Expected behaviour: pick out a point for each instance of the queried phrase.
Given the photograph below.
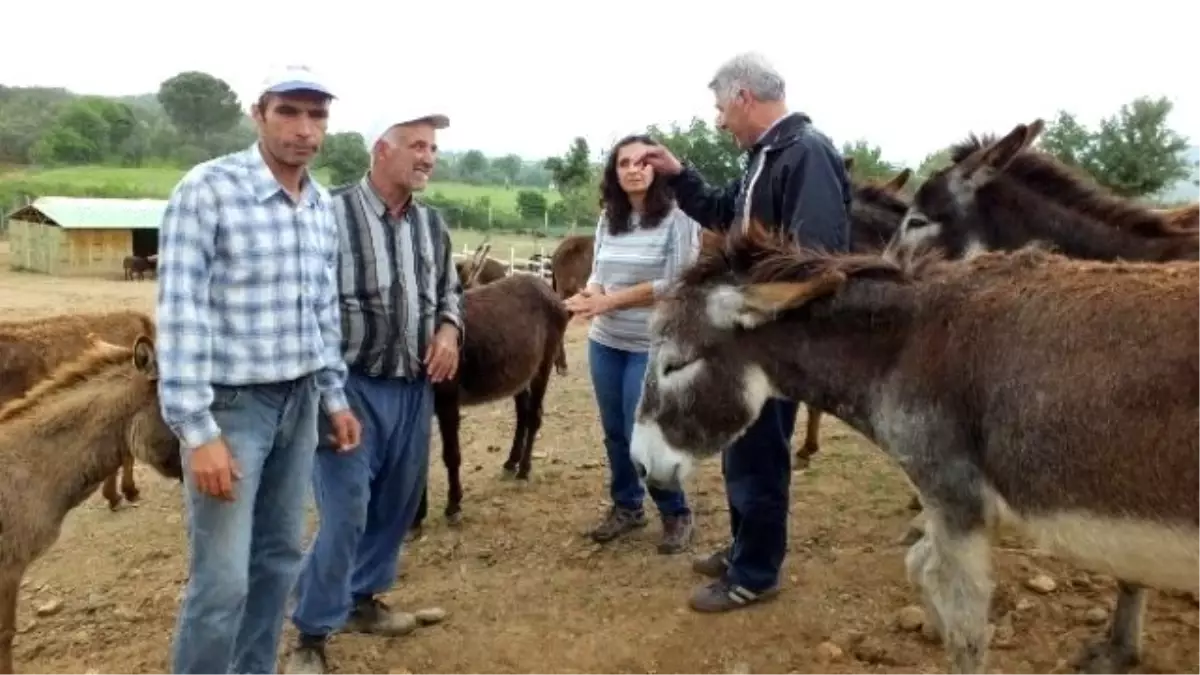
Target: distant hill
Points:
(1185, 190)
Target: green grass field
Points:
(158, 182)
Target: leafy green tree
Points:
(531, 204)
(714, 153)
(1134, 153)
(509, 168)
(199, 104)
(473, 166)
(868, 161)
(345, 155)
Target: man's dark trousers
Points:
(758, 475)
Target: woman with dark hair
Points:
(643, 240)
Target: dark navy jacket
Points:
(796, 180)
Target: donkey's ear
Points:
(143, 357)
(762, 302)
(998, 155)
(896, 182)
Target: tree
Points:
(1133, 153)
(345, 155)
(509, 167)
(199, 104)
(90, 129)
(473, 166)
(713, 153)
(573, 169)
(572, 174)
(868, 161)
(531, 204)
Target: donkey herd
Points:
(1022, 343)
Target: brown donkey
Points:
(67, 434)
(1002, 396)
(30, 349)
(513, 329)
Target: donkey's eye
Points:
(675, 365)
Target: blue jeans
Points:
(366, 499)
(758, 474)
(245, 553)
(617, 381)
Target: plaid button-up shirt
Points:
(247, 292)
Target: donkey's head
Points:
(150, 439)
(703, 385)
(469, 271)
(945, 212)
(876, 211)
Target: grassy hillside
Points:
(106, 181)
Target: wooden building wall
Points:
(41, 247)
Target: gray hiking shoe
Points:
(616, 523)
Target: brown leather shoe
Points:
(616, 523)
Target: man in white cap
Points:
(402, 311)
(248, 339)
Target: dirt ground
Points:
(527, 592)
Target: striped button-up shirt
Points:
(246, 290)
(397, 282)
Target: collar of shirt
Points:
(265, 185)
(376, 201)
(768, 129)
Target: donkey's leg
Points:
(449, 418)
(812, 442)
(1121, 649)
(521, 405)
(952, 563)
(109, 490)
(533, 418)
(10, 583)
(128, 487)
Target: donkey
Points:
(30, 349)
(1003, 397)
(513, 328)
(979, 204)
(60, 441)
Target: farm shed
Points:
(71, 236)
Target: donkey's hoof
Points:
(1102, 656)
(132, 496)
(915, 504)
(454, 519)
(508, 472)
(414, 533)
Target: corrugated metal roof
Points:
(96, 213)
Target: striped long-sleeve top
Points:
(397, 282)
(656, 255)
(246, 290)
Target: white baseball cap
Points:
(294, 78)
(381, 125)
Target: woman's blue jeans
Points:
(617, 381)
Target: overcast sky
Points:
(520, 76)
